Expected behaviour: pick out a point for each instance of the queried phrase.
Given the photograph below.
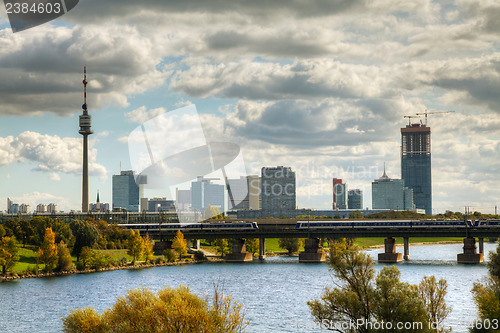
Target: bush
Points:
(199, 256)
(90, 259)
(168, 310)
(123, 261)
(33, 270)
(170, 255)
(159, 261)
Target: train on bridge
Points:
(315, 225)
(235, 226)
(307, 225)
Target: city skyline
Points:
(322, 89)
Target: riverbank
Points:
(27, 275)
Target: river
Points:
(274, 292)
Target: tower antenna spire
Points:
(84, 106)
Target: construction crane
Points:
(409, 119)
(426, 112)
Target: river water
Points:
(273, 293)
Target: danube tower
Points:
(85, 130)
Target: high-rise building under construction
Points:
(416, 164)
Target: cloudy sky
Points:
(321, 86)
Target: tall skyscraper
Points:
(9, 205)
(278, 190)
(85, 130)
(390, 193)
(416, 164)
(126, 191)
(339, 194)
(355, 199)
(245, 193)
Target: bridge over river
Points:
(313, 252)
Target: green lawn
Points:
(27, 257)
(374, 241)
(116, 254)
(271, 246)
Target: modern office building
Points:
(244, 193)
(254, 192)
(161, 205)
(391, 194)
(14, 208)
(416, 164)
(278, 190)
(339, 194)
(127, 191)
(355, 199)
(204, 194)
(183, 200)
(9, 205)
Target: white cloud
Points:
(54, 176)
(142, 114)
(50, 153)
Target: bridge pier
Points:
(239, 253)
(193, 244)
(313, 251)
(262, 248)
(470, 256)
(406, 254)
(390, 255)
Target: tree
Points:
(47, 252)
(135, 245)
(359, 298)
(212, 212)
(290, 244)
(222, 246)
(487, 295)
(252, 245)
(85, 234)
(65, 261)
(356, 215)
(397, 302)
(433, 293)
(148, 248)
(8, 253)
(169, 311)
(2, 231)
(179, 244)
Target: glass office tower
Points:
(416, 164)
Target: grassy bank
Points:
(28, 254)
(379, 241)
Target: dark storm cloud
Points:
(91, 10)
(330, 122)
(42, 71)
